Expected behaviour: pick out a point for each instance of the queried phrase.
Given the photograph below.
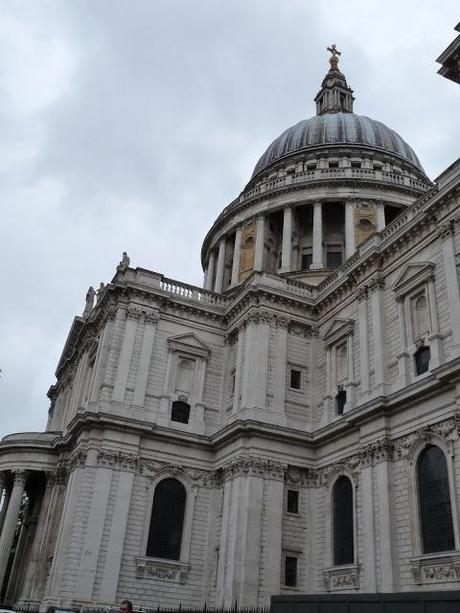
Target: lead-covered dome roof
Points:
(337, 129)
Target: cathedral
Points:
(291, 427)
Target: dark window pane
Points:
(435, 510)
(180, 411)
(295, 379)
(333, 259)
(290, 571)
(292, 501)
(340, 401)
(165, 534)
(306, 260)
(422, 360)
(343, 522)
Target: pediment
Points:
(412, 276)
(338, 329)
(190, 342)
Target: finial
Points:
(334, 96)
(334, 59)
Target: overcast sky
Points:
(128, 125)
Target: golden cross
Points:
(335, 52)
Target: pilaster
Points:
(126, 352)
(145, 359)
(260, 244)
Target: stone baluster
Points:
(286, 254)
(350, 243)
(317, 260)
(218, 287)
(11, 519)
(236, 257)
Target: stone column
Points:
(3, 492)
(369, 561)
(11, 518)
(126, 353)
(363, 340)
(403, 354)
(383, 521)
(260, 244)
(279, 371)
(236, 257)
(286, 254)
(219, 285)
(350, 244)
(317, 259)
(145, 359)
(378, 329)
(210, 271)
(380, 216)
(446, 234)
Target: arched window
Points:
(343, 522)
(167, 520)
(180, 411)
(434, 498)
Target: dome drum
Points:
(323, 187)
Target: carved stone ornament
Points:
(162, 570)
(436, 569)
(342, 578)
(446, 229)
(76, 460)
(251, 465)
(118, 460)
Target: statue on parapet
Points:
(89, 301)
(99, 291)
(125, 262)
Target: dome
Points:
(337, 129)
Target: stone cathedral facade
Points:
(292, 426)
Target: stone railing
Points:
(324, 174)
(300, 289)
(191, 292)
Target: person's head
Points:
(126, 606)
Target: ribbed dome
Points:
(337, 129)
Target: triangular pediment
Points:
(338, 329)
(189, 342)
(413, 275)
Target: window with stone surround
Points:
(295, 379)
(340, 367)
(292, 502)
(436, 524)
(420, 340)
(290, 571)
(167, 520)
(343, 514)
(180, 411)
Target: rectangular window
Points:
(292, 502)
(290, 571)
(356, 164)
(296, 379)
(333, 164)
(333, 259)
(422, 360)
(307, 259)
(311, 166)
